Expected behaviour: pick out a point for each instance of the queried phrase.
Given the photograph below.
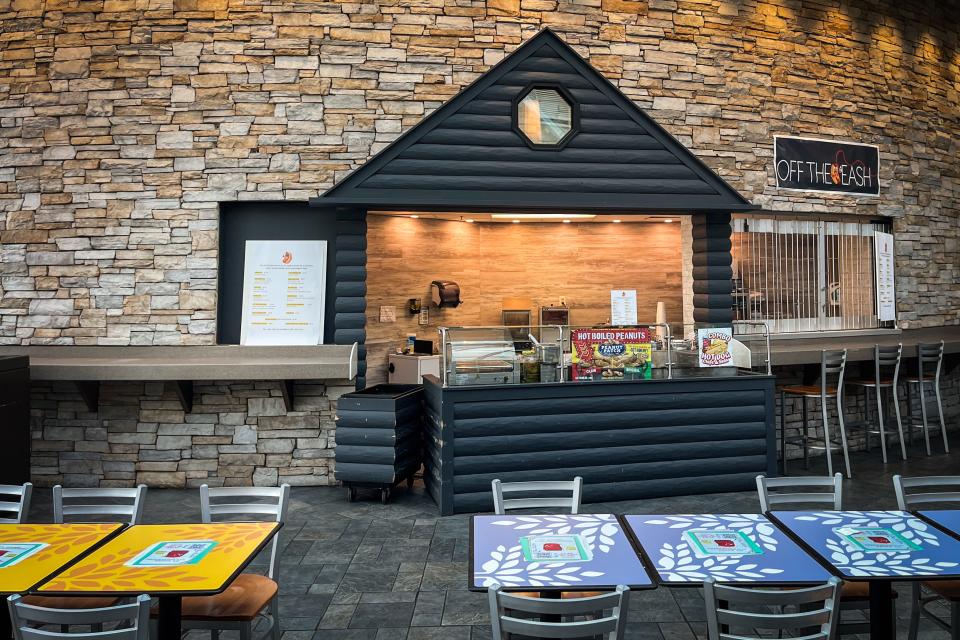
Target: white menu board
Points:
(886, 297)
(623, 307)
(283, 292)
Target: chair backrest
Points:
(243, 504)
(805, 490)
(749, 613)
(98, 505)
(572, 502)
(133, 619)
(932, 490)
(15, 502)
(608, 615)
(930, 354)
(886, 357)
(832, 363)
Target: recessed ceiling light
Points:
(617, 221)
(469, 220)
(414, 217)
(566, 222)
(669, 220)
(541, 216)
(516, 222)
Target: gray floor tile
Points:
(394, 614)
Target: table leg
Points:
(882, 623)
(168, 618)
(551, 595)
(6, 628)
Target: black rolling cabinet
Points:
(379, 437)
(15, 418)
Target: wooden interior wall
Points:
(536, 262)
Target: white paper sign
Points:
(284, 282)
(623, 307)
(886, 296)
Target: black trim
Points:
(162, 593)
(574, 116)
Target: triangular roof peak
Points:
(468, 155)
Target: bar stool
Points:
(832, 363)
(883, 359)
(927, 355)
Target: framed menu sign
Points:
(886, 298)
(832, 166)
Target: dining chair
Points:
(825, 493)
(250, 596)
(884, 381)
(929, 367)
(15, 502)
(808, 490)
(735, 612)
(573, 487)
(514, 614)
(91, 505)
(123, 622)
(936, 492)
(105, 505)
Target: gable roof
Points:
(467, 156)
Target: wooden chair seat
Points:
(858, 591)
(70, 602)
(870, 382)
(916, 378)
(808, 390)
(242, 601)
(948, 589)
(565, 595)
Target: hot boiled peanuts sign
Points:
(808, 164)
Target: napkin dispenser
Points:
(445, 293)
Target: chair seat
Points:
(858, 591)
(916, 379)
(242, 601)
(870, 382)
(70, 602)
(808, 390)
(565, 595)
(949, 589)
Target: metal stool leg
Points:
(943, 425)
(866, 417)
(783, 433)
(910, 413)
(843, 432)
(826, 435)
(883, 435)
(896, 410)
(806, 450)
(923, 413)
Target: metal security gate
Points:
(801, 275)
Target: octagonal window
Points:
(544, 116)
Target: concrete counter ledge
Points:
(90, 365)
(791, 351)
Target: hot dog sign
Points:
(714, 347)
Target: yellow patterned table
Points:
(168, 561)
(31, 553)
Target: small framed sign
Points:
(173, 554)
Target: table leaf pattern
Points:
(506, 565)
(852, 561)
(105, 570)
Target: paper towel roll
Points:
(661, 319)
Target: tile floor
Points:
(365, 571)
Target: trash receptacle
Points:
(379, 438)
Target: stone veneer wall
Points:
(124, 123)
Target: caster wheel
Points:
(384, 496)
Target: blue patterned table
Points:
(670, 547)
(918, 551)
(946, 519)
(498, 554)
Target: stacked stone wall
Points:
(125, 123)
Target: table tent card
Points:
(13, 552)
(173, 554)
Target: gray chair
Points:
(15, 502)
(104, 505)
(832, 367)
(808, 490)
(734, 612)
(573, 487)
(512, 614)
(825, 493)
(250, 596)
(935, 492)
(885, 379)
(929, 366)
(125, 621)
